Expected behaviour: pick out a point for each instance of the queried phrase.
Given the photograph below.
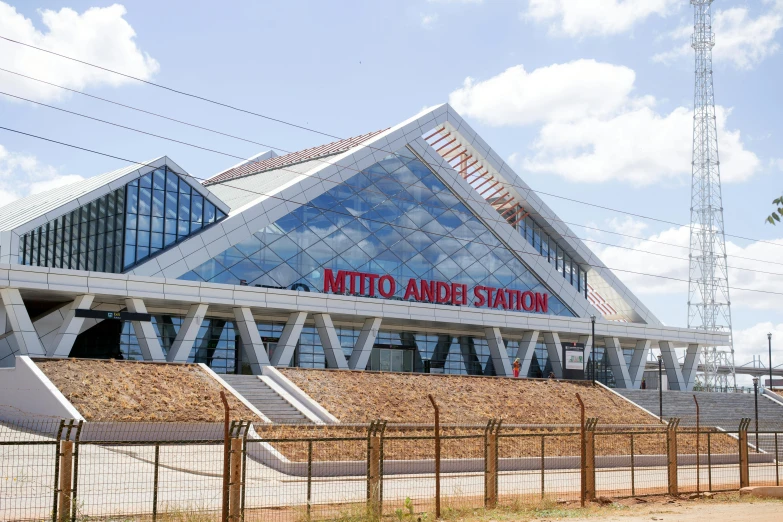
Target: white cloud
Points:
(595, 128)
(748, 280)
(753, 341)
(740, 39)
(22, 175)
(639, 146)
(559, 92)
(595, 17)
(428, 20)
(98, 35)
(455, 1)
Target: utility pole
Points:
(708, 282)
(769, 340)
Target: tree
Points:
(778, 213)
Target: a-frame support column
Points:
(251, 339)
(554, 349)
(186, 336)
(690, 366)
(284, 351)
(70, 327)
(149, 344)
(333, 350)
(23, 339)
(614, 352)
(638, 361)
(498, 352)
(360, 355)
(527, 348)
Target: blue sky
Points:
(587, 99)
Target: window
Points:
(122, 228)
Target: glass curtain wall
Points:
(394, 218)
(123, 228)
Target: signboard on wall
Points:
(573, 361)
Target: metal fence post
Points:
(57, 454)
(698, 453)
(582, 452)
(66, 474)
(374, 478)
(309, 477)
(777, 461)
(75, 483)
(155, 484)
(590, 488)
(543, 465)
(709, 460)
(226, 457)
(437, 456)
(744, 469)
(491, 464)
(671, 455)
(235, 480)
(633, 471)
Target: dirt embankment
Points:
(131, 391)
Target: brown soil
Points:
(402, 398)
(130, 391)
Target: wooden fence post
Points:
(374, 469)
(66, 474)
(744, 468)
(491, 464)
(671, 455)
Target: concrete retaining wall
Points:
(26, 392)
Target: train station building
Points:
(411, 249)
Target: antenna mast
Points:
(709, 306)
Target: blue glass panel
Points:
(172, 181)
(171, 205)
(159, 179)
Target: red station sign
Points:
(422, 290)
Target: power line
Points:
(302, 127)
(350, 168)
(343, 213)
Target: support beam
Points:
(145, 332)
(360, 355)
(690, 365)
(498, 352)
(335, 357)
(554, 349)
(527, 348)
(70, 327)
(284, 351)
(639, 359)
(672, 366)
(586, 340)
(614, 352)
(251, 339)
(24, 339)
(188, 331)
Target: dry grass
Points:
(131, 391)
(402, 398)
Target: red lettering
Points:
(456, 298)
(427, 291)
(542, 302)
(480, 300)
(352, 281)
(465, 294)
(392, 286)
(412, 290)
(443, 291)
(334, 283)
(500, 300)
(373, 278)
(490, 293)
(528, 296)
(512, 299)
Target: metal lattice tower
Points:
(708, 287)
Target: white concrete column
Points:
(188, 331)
(145, 332)
(638, 361)
(690, 365)
(70, 327)
(672, 366)
(335, 357)
(363, 347)
(498, 352)
(554, 349)
(284, 351)
(586, 340)
(614, 352)
(251, 339)
(23, 339)
(527, 348)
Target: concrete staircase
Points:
(723, 410)
(260, 395)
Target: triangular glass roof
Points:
(396, 217)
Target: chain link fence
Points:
(67, 470)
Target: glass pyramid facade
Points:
(395, 217)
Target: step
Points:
(265, 399)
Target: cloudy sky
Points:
(587, 99)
